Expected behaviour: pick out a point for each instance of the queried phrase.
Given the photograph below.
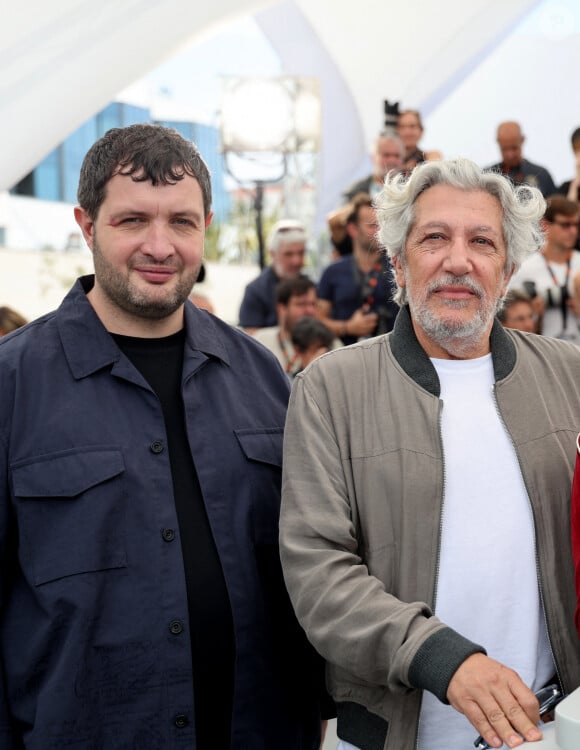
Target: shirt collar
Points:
(89, 347)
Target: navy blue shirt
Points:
(94, 626)
(258, 308)
(340, 284)
(528, 173)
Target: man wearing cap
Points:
(287, 246)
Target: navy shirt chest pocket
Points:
(70, 508)
(262, 449)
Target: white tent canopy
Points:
(459, 63)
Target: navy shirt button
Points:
(157, 446)
(168, 535)
(181, 721)
(176, 627)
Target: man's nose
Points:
(157, 242)
(457, 260)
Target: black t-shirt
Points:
(160, 361)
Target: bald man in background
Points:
(510, 140)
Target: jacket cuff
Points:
(438, 659)
(327, 707)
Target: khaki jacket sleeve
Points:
(347, 614)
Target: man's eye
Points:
(483, 241)
(183, 222)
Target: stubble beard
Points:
(368, 244)
(454, 335)
(119, 289)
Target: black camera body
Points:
(391, 114)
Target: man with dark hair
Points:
(355, 292)
(287, 247)
(510, 140)
(141, 596)
(551, 277)
(295, 299)
(425, 524)
(517, 311)
(311, 339)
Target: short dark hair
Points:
(308, 331)
(295, 286)
(10, 320)
(143, 152)
(359, 200)
(575, 139)
(558, 204)
(513, 297)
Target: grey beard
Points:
(456, 337)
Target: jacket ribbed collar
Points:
(413, 359)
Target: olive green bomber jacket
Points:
(361, 513)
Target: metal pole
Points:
(258, 206)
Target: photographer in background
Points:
(387, 156)
(410, 131)
(355, 292)
(551, 277)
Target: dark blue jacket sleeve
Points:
(251, 310)
(7, 741)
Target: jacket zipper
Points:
(538, 568)
(438, 558)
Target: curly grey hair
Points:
(522, 206)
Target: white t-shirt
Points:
(535, 269)
(487, 586)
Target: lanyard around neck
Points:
(564, 296)
(553, 275)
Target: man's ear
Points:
(399, 273)
(86, 224)
(281, 313)
(352, 230)
(208, 219)
(506, 279)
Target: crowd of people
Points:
(194, 554)
(355, 291)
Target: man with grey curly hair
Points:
(423, 499)
(516, 212)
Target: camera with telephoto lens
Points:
(391, 114)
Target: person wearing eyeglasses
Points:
(552, 276)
